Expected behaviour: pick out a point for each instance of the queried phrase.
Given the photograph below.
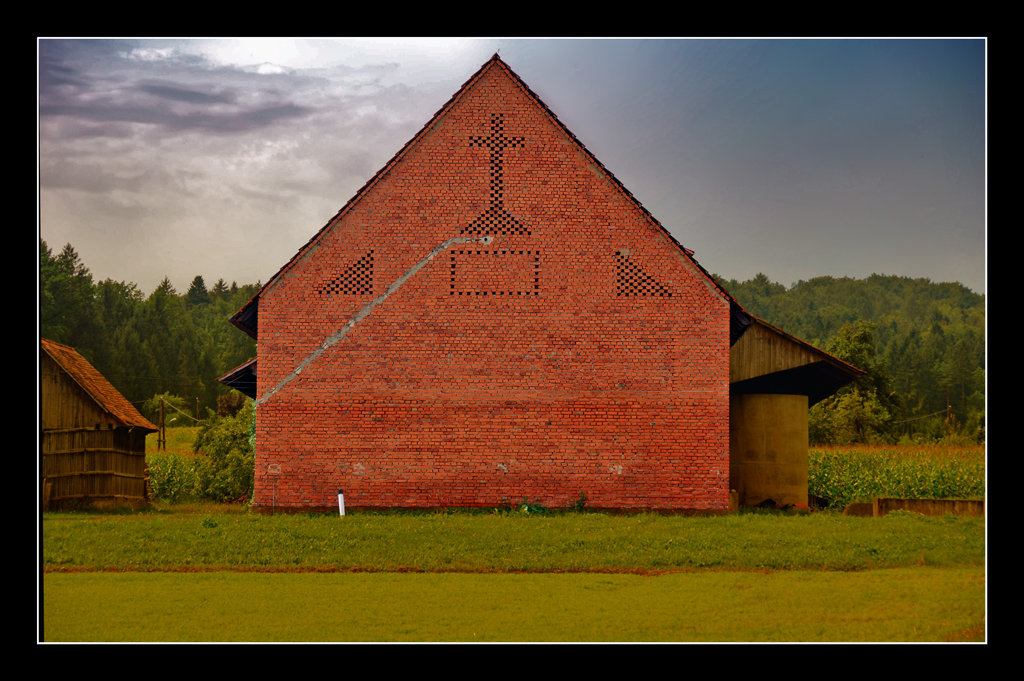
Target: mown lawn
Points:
(224, 574)
(510, 541)
(902, 604)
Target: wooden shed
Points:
(93, 441)
(774, 378)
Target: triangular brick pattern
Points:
(456, 334)
(634, 281)
(357, 278)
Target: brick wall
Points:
(563, 345)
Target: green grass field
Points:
(209, 573)
(204, 572)
(901, 604)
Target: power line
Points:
(180, 411)
(917, 418)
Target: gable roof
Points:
(95, 385)
(247, 318)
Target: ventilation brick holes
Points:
(633, 281)
(355, 280)
(496, 220)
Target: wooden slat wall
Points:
(94, 465)
(63, 403)
(759, 352)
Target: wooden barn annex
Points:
(494, 318)
(93, 441)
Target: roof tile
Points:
(95, 385)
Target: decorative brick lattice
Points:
(495, 273)
(496, 220)
(355, 280)
(633, 281)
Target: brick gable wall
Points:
(541, 337)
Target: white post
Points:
(341, 502)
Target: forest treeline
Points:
(165, 342)
(922, 343)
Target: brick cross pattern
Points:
(356, 279)
(496, 219)
(633, 281)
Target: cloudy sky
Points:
(795, 158)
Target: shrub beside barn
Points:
(493, 317)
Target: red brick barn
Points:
(493, 317)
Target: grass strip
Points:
(480, 542)
(904, 604)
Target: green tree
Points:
(864, 410)
(177, 411)
(67, 311)
(116, 349)
(145, 345)
(220, 290)
(228, 465)
(197, 293)
(931, 337)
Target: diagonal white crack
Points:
(368, 308)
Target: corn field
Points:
(860, 473)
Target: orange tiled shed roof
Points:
(95, 385)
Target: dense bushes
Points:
(229, 461)
(221, 469)
(173, 476)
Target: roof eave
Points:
(242, 378)
(846, 367)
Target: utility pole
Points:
(161, 440)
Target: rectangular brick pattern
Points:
(518, 363)
(494, 272)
